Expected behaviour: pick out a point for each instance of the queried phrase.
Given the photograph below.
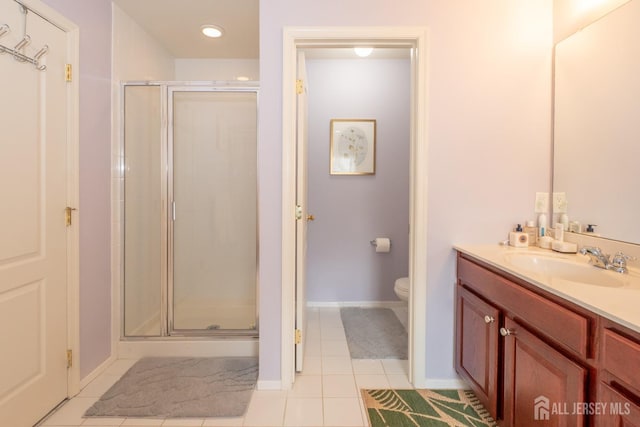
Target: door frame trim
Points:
(73, 182)
(415, 37)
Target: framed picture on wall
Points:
(353, 147)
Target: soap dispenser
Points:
(591, 231)
(518, 238)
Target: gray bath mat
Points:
(374, 333)
(181, 387)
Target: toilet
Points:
(401, 288)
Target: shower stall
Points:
(189, 210)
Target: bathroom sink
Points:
(564, 268)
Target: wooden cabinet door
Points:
(477, 342)
(615, 409)
(542, 387)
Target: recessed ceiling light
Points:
(211, 31)
(363, 51)
(242, 78)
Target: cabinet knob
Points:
(489, 319)
(506, 332)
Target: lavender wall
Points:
(94, 20)
(352, 210)
(489, 102)
(489, 115)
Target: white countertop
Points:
(619, 304)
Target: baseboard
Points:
(269, 385)
(366, 304)
(441, 384)
(100, 369)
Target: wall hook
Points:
(4, 29)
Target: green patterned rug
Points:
(427, 408)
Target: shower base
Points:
(181, 347)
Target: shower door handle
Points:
(173, 210)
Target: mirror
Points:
(597, 124)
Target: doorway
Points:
(294, 186)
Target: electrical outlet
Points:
(542, 203)
(560, 202)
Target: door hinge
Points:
(67, 72)
(69, 358)
(298, 212)
(299, 86)
(67, 215)
(298, 336)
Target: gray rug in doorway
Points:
(181, 387)
(374, 333)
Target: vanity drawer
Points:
(566, 327)
(621, 357)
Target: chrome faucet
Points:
(598, 259)
(619, 262)
(596, 256)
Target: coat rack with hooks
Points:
(16, 51)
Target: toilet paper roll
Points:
(383, 244)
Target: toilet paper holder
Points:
(382, 244)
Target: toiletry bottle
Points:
(532, 231)
(559, 232)
(564, 219)
(542, 224)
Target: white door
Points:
(33, 249)
(303, 214)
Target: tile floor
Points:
(326, 393)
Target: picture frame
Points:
(352, 147)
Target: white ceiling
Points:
(176, 25)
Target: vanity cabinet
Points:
(535, 373)
(477, 342)
(619, 385)
(516, 346)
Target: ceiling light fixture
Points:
(363, 51)
(212, 31)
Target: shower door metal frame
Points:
(167, 88)
(170, 206)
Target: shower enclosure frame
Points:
(167, 331)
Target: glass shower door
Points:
(144, 234)
(213, 244)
